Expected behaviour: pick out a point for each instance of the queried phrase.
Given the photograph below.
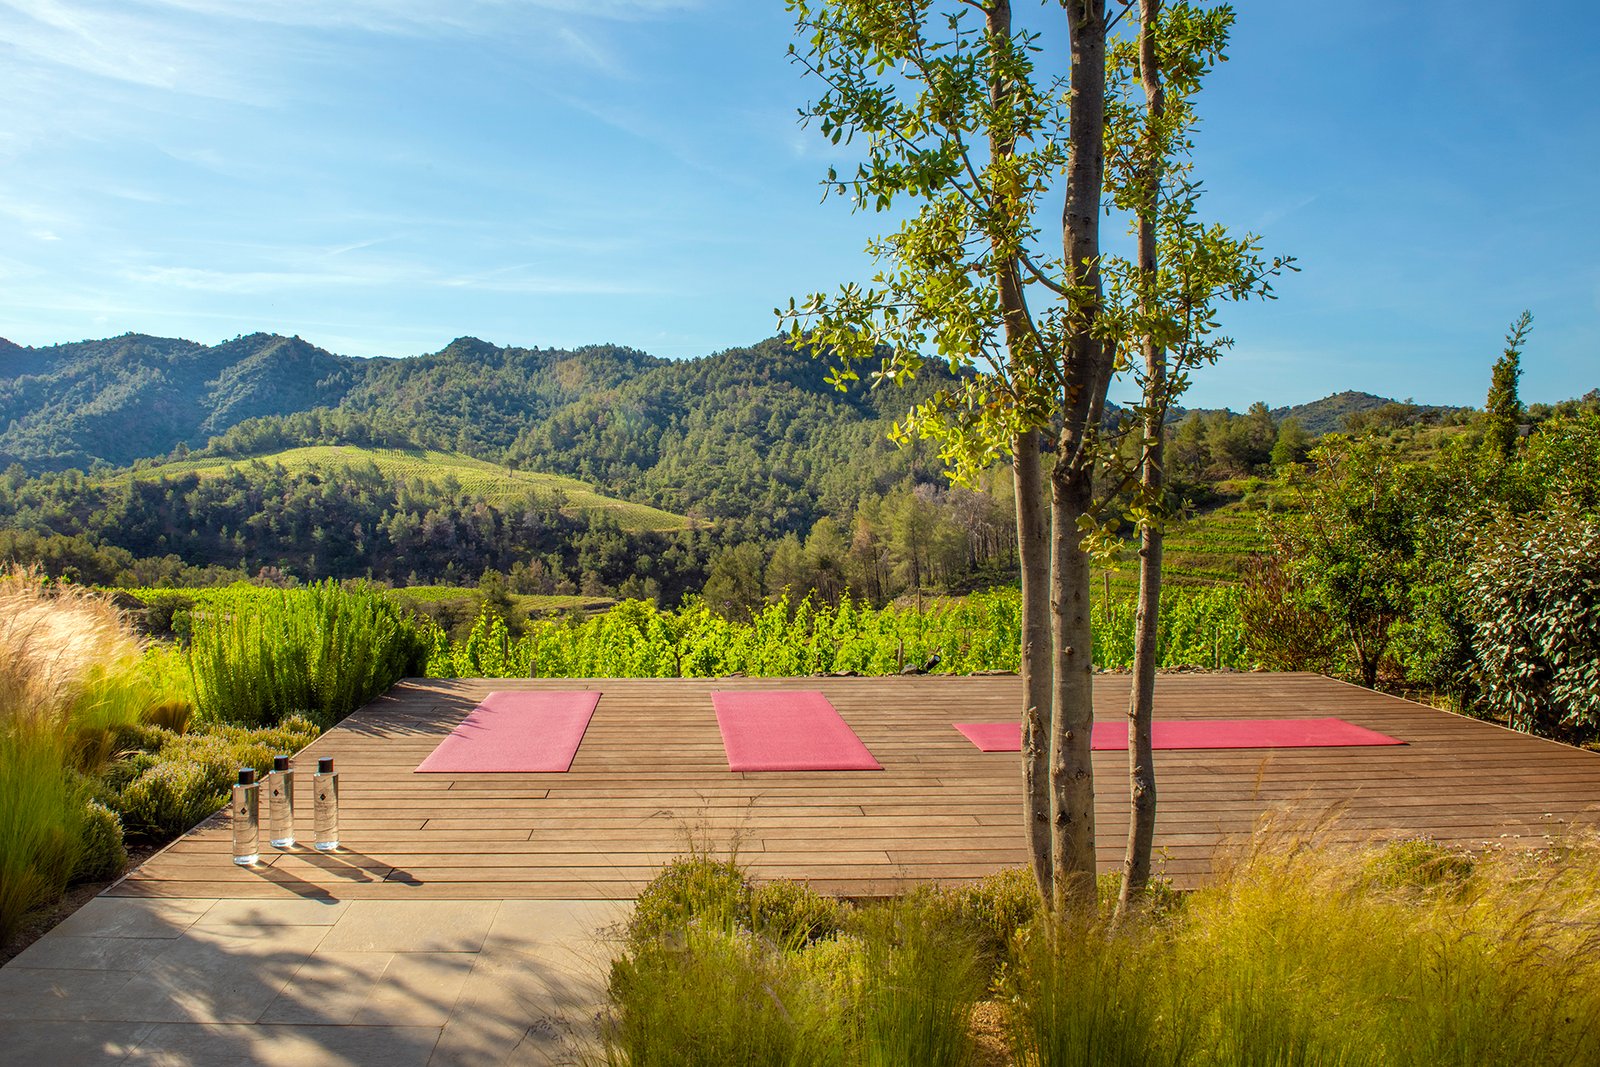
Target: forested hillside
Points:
(600, 470)
(129, 397)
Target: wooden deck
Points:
(651, 775)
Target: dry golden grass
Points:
(54, 643)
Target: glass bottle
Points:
(246, 818)
(325, 789)
(280, 803)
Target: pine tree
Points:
(1503, 409)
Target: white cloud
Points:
(118, 43)
(377, 274)
(414, 16)
(201, 47)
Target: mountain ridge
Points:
(137, 396)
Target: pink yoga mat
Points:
(517, 731)
(787, 731)
(1198, 733)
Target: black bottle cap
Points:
(324, 764)
(280, 763)
(247, 776)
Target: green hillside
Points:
(478, 478)
(1206, 549)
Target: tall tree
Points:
(1147, 181)
(1503, 408)
(1183, 268)
(956, 118)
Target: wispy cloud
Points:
(521, 279)
(417, 16)
(194, 46)
(388, 275)
(120, 43)
(1279, 212)
(646, 129)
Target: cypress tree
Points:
(1503, 409)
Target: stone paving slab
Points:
(413, 926)
(128, 917)
(312, 982)
(74, 1044)
(248, 913)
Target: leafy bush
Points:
(166, 791)
(1354, 544)
(324, 651)
(103, 854)
(698, 985)
(718, 996)
(1533, 595)
(691, 889)
(987, 913)
(171, 797)
(168, 613)
(982, 632)
(793, 914)
(1284, 629)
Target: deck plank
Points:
(650, 780)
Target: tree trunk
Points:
(1146, 638)
(1071, 761)
(1086, 373)
(1034, 560)
(1032, 547)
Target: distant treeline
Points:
(790, 484)
(783, 498)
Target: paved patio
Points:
(311, 982)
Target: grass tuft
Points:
(69, 683)
(1301, 951)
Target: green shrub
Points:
(1420, 865)
(793, 914)
(718, 997)
(987, 913)
(321, 651)
(103, 854)
(1285, 630)
(714, 893)
(167, 612)
(173, 796)
(117, 776)
(164, 792)
(41, 818)
(836, 967)
(922, 980)
(1532, 593)
(142, 737)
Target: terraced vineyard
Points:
(1210, 549)
(488, 481)
(1207, 550)
(471, 598)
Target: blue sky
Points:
(381, 176)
